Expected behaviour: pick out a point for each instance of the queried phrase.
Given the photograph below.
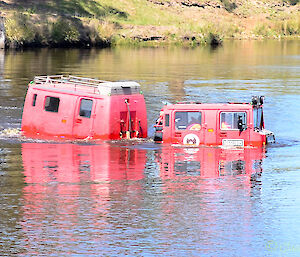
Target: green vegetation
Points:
(281, 28)
(64, 31)
(146, 22)
(19, 29)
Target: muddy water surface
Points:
(143, 199)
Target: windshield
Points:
(258, 119)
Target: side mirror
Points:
(261, 100)
(241, 125)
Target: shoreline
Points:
(142, 44)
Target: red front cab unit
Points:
(69, 107)
(227, 125)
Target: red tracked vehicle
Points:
(220, 124)
(69, 107)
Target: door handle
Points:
(78, 121)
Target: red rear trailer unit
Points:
(69, 107)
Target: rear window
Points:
(86, 108)
(51, 104)
(188, 120)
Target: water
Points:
(143, 199)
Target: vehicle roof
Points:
(208, 106)
(79, 85)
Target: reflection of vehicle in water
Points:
(208, 162)
(76, 108)
(75, 163)
(231, 124)
(73, 191)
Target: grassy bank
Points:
(146, 22)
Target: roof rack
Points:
(97, 86)
(56, 79)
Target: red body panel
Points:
(108, 118)
(210, 130)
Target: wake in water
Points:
(10, 133)
(15, 133)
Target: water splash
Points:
(10, 133)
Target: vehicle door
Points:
(188, 128)
(232, 128)
(84, 118)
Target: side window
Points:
(51, 104)
(188, 120)
(230, 120)
(86, 106)
(34, 99)
(167, 120)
